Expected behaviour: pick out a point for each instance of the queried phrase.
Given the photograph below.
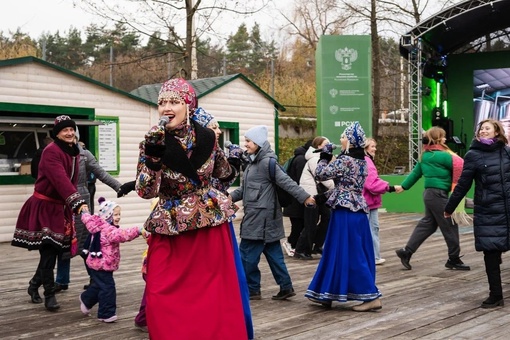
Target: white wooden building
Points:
(111, 123)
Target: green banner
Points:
(344, 87)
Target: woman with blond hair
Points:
(441, 169)
(487, 164)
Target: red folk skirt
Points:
(192, 287)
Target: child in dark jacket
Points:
(104, 258)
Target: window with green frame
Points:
(230, 132)
(23, 128)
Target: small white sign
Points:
(107, 145)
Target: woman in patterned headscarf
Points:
(347, 267)
(191, 273)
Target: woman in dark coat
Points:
(487, 163)
(45, 221)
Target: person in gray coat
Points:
(262, 223)
(88, 164)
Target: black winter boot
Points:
(33, 288)
(405, 257)
(456, 263)
(50, 301)
(492, 269)
(493, 301)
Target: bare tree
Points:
(313, 18)
(388, 17)
(369, 14)
(181, 23)
(399, 16)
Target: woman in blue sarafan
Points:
(347, 268)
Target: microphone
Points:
(327, 148)
(156, 136)
(228, 144)
(163, 120)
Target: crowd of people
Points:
(192, 246)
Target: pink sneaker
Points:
(83, 308)
(110, 319)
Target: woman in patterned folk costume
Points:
(191, 273)
(347, 267)
(45, 221)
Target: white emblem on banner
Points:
(346, 56)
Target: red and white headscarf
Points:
(180, 89)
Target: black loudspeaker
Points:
(429, 70)
(446, 124)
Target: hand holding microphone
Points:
(236, 155)
(156, 134)
(328, 148)
(234, 150)
(155, 138)
(326, 152)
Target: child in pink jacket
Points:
(104, 258)
(372, 190)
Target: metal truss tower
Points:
(415, 104)
(422, 43)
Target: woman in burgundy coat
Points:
(45, 221)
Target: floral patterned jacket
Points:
(349, 175)
(111, 237)
(182, 180)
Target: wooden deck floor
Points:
(428, 302)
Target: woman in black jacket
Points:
(487, 163)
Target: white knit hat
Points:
(257, 134)
(106, 209)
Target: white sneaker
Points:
(288, 248)
(83, 308)
(110, 319)
(379, 261)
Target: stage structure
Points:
(467, 27)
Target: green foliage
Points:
(392, 151)
(299, 123)
(65, 51)
(210, 59)
(238, 47)
(287, 147)
(248, 53)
